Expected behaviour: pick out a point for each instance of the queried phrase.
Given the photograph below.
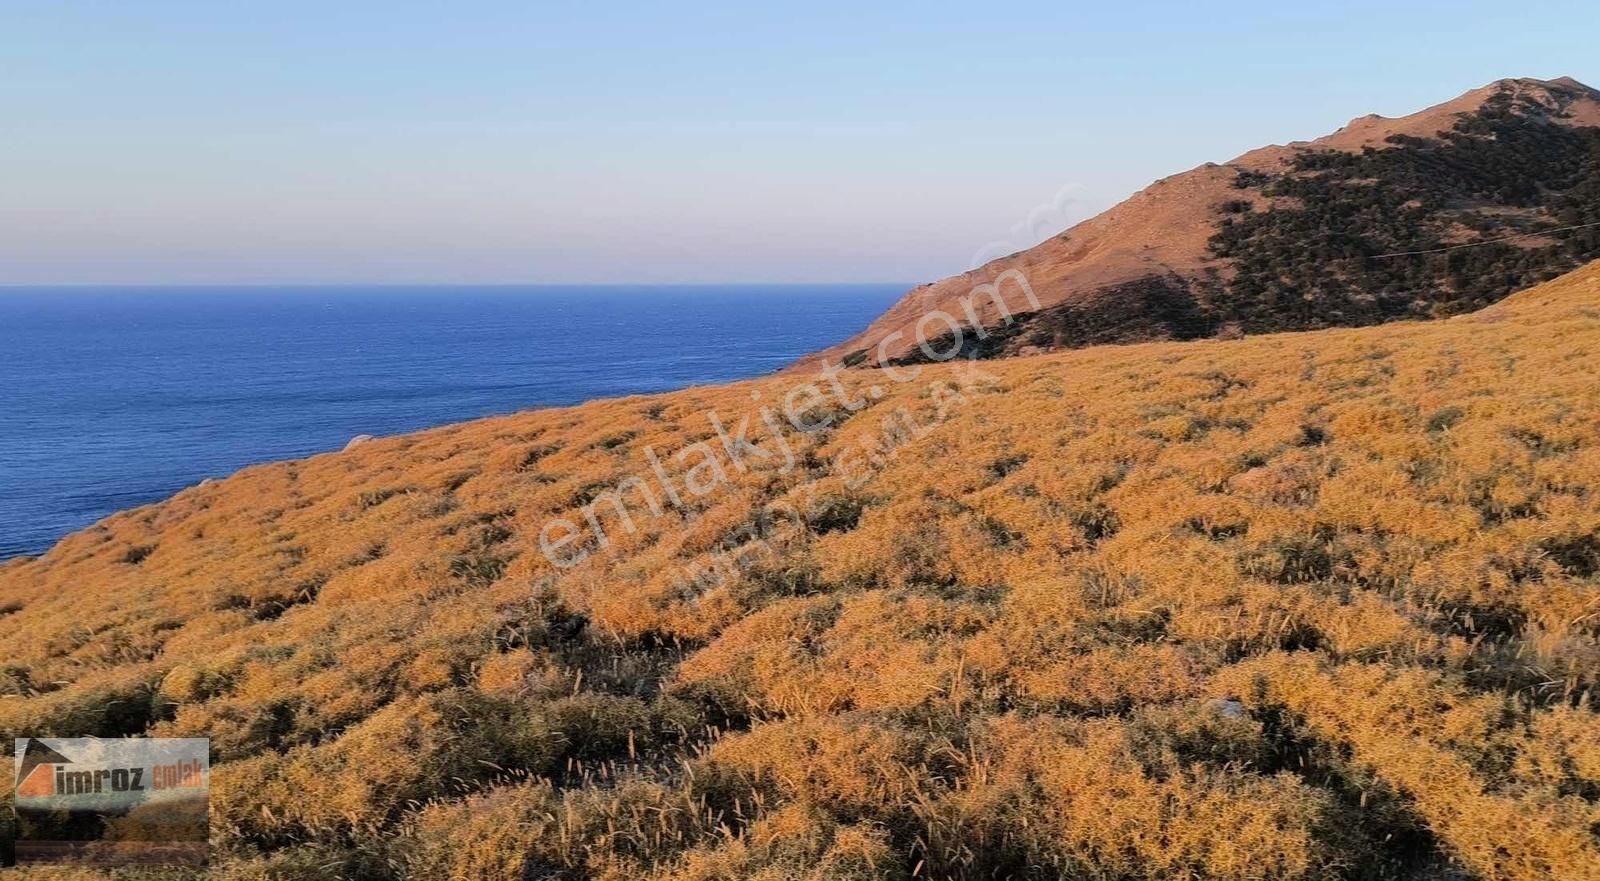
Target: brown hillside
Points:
(1149, 268)
(1303, 606)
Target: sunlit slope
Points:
(1301, 236)
(1299, 606)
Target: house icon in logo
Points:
(36, 774)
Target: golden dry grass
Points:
(1303, 606)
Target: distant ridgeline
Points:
(1363, 226)
(1312, 258)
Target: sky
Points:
(530, 142)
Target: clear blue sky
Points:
(357, 141)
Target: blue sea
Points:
(111, 398)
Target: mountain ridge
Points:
(1153, 254)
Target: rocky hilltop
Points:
(1297, 237)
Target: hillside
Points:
(1295, 237)
(1299, 606)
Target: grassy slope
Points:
(1011, 652)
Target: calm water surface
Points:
(111, 398)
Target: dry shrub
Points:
(504, 835)
(796, 843)
(409, 752)
(520, 672)
(1298, 606)
(849, 766)
(1092, 799)
(530, 830)
(1113, 679)
(1438, 745)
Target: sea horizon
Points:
(121, 395)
